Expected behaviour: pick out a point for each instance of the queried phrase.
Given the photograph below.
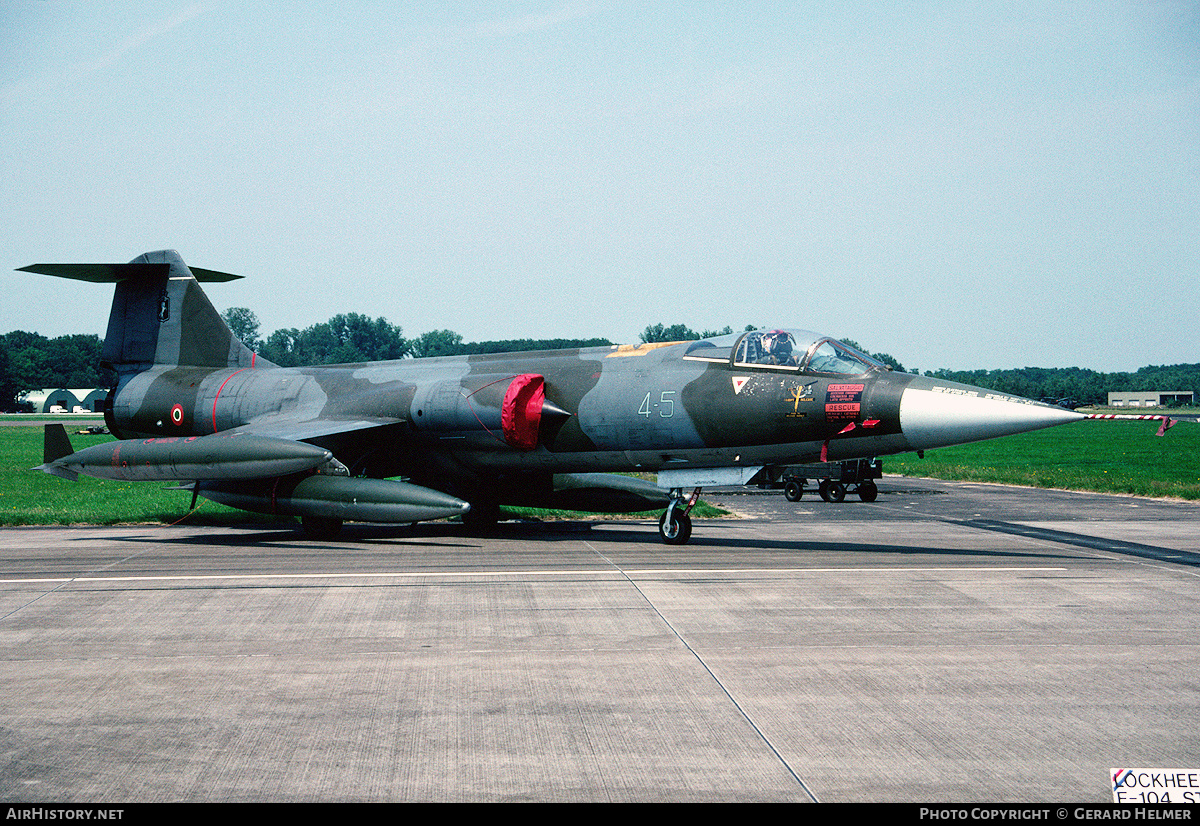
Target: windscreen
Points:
(834, 357)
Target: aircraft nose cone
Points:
(938, 414)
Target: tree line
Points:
(1076, 384)
(30, 361)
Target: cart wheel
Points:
(837, 491)
(823, 489)
(792, 491)
(868, 491)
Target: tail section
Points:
(160, 316)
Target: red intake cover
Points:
(521, 412)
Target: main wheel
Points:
(680, 529)
(868, 491)
(792, 491)
(320, 527)
(482, 517)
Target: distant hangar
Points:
(65, 401)
(1151, 398)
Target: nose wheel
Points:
(675, 525)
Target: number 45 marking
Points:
(665, 405)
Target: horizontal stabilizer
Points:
(112, 273)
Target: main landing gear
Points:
(675, 525)
(482, 517)
(320, 527)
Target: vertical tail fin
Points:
(159, 314)
(55, 443)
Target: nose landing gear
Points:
(675, 525)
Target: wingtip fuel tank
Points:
(217, 456)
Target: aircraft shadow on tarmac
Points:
(449, 535)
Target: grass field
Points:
(29, 497)
(1108, 456)
(1105, 456)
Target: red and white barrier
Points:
(1167, 421)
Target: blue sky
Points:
(962, 185)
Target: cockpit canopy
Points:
(792, 350)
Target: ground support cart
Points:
(834, 479)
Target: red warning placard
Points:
(843, 401)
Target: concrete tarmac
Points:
(947, 643)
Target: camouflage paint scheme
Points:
(513, 428)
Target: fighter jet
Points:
(417, 439)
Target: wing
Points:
(302, 428)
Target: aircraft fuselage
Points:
(648, 407)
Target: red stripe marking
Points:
(222, 387)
